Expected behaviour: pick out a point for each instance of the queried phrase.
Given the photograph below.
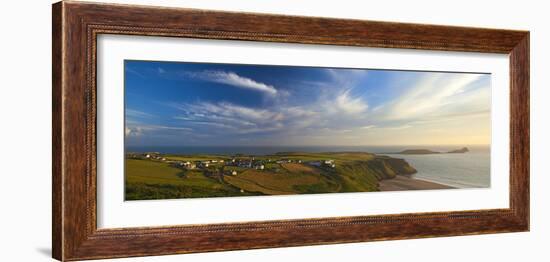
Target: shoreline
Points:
(402, 183)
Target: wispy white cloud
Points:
(233, 79)
(129, 70)
(338, 110)
(346, 77)
(137, 113)
(135, 129)
(233, 119)
(336, 130)
(399, 127)
(350, 105)
(368, 127)
(435, 95)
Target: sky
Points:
(206, 104)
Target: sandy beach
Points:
(400, 183)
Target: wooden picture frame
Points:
(76, 26)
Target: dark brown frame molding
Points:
(76, 26)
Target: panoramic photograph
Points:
(202, 130)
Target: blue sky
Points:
(204, 104)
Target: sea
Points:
(460, 170)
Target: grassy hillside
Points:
(283, 173)
(291, 179)
(147, 179)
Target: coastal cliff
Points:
(365, 175)
(394, 166)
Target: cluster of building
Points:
(247, 163)
(329, 163)
(152, 155)
(282, 161)
(187, 164)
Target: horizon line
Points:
(305, 145)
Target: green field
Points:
(283, 174)
(287, 181)
(147, 179)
